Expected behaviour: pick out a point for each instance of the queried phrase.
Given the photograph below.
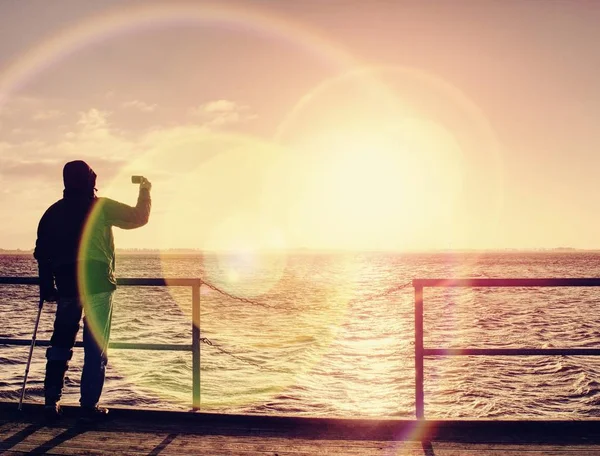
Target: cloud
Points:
(93, 119)
(47, 114)
(50, 168)
(34, 156)
(219, 113)
(31, 164)
(221, 106)
(139, 105)
(94, 136)
(23, 115)
(27, 169)
(20, 106)
(22, 131)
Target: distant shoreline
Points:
(192, 252)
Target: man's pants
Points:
(96, 333)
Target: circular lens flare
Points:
(369, 124)
(133, 18)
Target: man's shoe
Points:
(52, 412)
(93, 414)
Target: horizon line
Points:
(175, 250)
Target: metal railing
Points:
(421, 352)
(195, 284)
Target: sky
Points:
(395, 125)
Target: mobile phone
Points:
(137, 179)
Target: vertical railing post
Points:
(419, 372)
(196, 346)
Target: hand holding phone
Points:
(144, 183)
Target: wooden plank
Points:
(147, 432)
(124, 420)
(73, 440)
(66, 441)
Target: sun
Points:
(391, 158)
(378, 186)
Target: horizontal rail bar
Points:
(138, 346)
(20, 280)
(189, 282)
(511, 351)
(573, 282)
(115, 345)
(148, 282)
(160, 282)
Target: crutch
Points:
(37, 322)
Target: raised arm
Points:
(129, 217)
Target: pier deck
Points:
(151, 432)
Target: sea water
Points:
(332, 334)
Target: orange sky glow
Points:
(283, 125)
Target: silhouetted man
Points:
(76, 259)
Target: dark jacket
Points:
(75, 246)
